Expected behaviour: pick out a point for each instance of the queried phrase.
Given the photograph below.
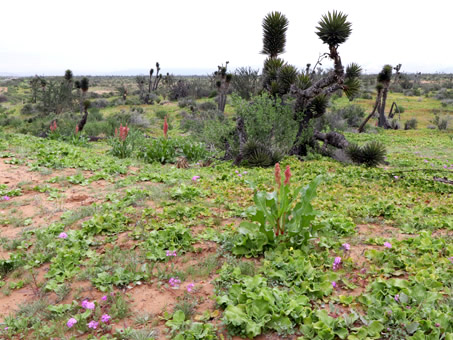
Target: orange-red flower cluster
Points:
(165, 127)
(287, 175)
(278, 176)
(53, 126)
(124, 130)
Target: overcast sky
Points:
(194, 36)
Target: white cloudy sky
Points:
(107, 36)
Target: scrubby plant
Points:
(371, 154)
(245, 82)
(441, 121)
(410, 124)
(179, 90)
(394, 124)
(257, 154)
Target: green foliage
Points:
(268, 121)
(411, 124)
(275, 25)
(371, 154)
(183, 329)
(173, 237)
(162, 150)
(333, 28)
(385, 75)
(256, 154)
(279, 216)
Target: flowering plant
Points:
(283, 215)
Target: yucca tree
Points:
(275, 26)
(384, 79)
(311, 93)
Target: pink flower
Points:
(6, 198)
(87, 304)
(63, 235)
(334, 284)
(105, 318)
(239, 175)
(397, 297)
(336, 263)
(245, 172)
(287, 175)
(104, 298)
(278, 176)
(195, 178)
(93, 324)
(170, 253)
(346, 246)
(174, 282)
(396, 177)
(387, 245)
(190, 287)
(236, 171)
(71, 322)
(165, 127)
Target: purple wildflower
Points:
(93, 324)
(397, 298)
(396, 177)
(239, 175)
(387, 245)
(104, 298)
(346, 246)
(174, 282)
(170, 253)
(336, 263)
(195, 178)
(6, 198)
(105, 318)
(71, 322)
(87, 304)
(334, 284)
(190, 287)
(63, 235)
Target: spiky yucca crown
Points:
(333, 28)
(275, 25)
(385, 75)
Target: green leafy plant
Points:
(371, 154)
(279, 216)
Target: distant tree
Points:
(122, 89)
(223, 80)
(383, 83)
(245, 82)
(310, 90)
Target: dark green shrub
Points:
(193, 151)
(179, 90)
(371, 154)
(162, 150)
(99, 103)
(256, 154)
(395, 124)
(28, 109)
(183, 102)
(206, 106)
(411, 124)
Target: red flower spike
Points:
(287, 175)
(165, 127)
(278, 177)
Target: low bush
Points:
(371, 154)
(411, 124)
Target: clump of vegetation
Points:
(411, 124)
(371, 154)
